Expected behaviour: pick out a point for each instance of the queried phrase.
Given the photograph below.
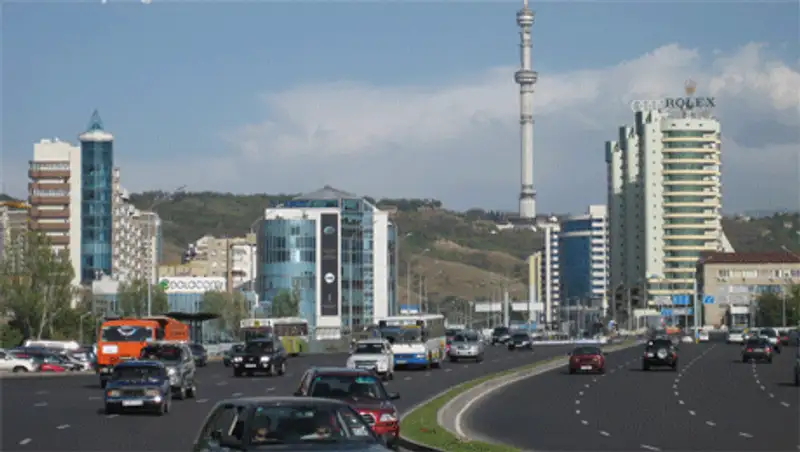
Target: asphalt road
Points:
(66, 413)
(713, 403)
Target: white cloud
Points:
(459, 141)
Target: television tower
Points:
(526, 78)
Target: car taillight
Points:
(768, 350)
(749, 349)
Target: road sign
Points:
(708, 299)
(680, 300)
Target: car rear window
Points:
(660, 343)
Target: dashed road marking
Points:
(680, 402)
(580, 393)
(577, 402)
(222, 383)
(112, 416)
(604, 433)
(427, 374)
(40, 404)
(577, 411)
(649, 447)
(448, 370)
(237, 394)
(28, 440)
(407, 378)
(41, 392)
(674, 386)
(711, 423)
(763, 388)
(691, 412)
(63, 427)
(202, 400)
(758, 382)
(270, 389)
(745, 435)
(95, 398)
(785, 404)
(771, 395)
(585, 422)
(586, 386)
(677, 393)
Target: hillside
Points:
(462, 254)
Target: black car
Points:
(660, 353)
(260, 355)
(200, 354)
(500, 335)
(520, 341)
(287, 424)
(227, 356)
(757, 349)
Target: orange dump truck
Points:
(123, 339)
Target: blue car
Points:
(138, 386)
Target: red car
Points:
(587, 359)
(362, 390)
(49, 367)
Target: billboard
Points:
(329, 264)
(192, 284)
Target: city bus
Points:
(292, 332)
(417, 340)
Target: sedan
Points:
(520, 341)
(757, 349)
(200, 355)
(587, 359)
(466, 345)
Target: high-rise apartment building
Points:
(664, 203)
(583, 255)
(233, 257)
(97, 193)
(13, 222)
(54, 194)
(550, 291)
(148, 224)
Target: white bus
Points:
(417, 340)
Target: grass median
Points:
(422, 426)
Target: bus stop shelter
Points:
(195, 322)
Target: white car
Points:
(373, 354)
(770, 334)
(735, 336)
(10, 363)
(703, 336)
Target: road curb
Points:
(28, 375)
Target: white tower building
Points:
(526, 78)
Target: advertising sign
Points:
(685, 103)
(190, 284)
(329, 264)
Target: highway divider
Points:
(430, 426)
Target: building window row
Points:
(41, 166)
(777, 273)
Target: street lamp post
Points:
(156, 202)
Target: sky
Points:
(396, 99)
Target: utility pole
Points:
(629, 303)
(408, 282)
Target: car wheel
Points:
(282, 369)
(571, 371)
(181, 395)
(19, 369)
(111, 410)
(601, 370)
(645, 367)
(192, 393)
(453, 359)
(237, 373)
(103, 383)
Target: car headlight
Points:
(171, 371)
(152, 393)
(113, 393)
(351, 364)
(384, 363)
(265, 359)
(237, 359)
(388, 417)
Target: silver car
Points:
(466, 345)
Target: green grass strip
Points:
(422, 426)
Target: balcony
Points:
(58, 200)
(48, 213)
(58, 186)
(61, 240)
(49, 227)
(48, 173)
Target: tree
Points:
(770, 307)
(286, 304)
(230, 307)
(35, 286)
(132, 299)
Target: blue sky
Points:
(176, 82)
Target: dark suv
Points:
(260, 355)
(500, 335)
(660, 353)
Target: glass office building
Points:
(583, 253)
(290, 244)
(97, 165)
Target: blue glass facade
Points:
(576, 267)
(97, 164)
(287, 256)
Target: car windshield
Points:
(757, 342)
(466, 337)
(137, 373)
(767, 333)
(367, 348)
(275, 424)
(162, 352)
(126, 333)
(409, 336)
(522, 337)
(586, 351)
(347, 387)
(259, 347)
(499, 331)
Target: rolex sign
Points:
(189, 284)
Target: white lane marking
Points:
(448, 370)
(758, 382)
(604, 433)
(745, 435)
(610, 372)
(680, 402)
(112, 416)
(677, 394)
(649, 447)
(586, 386)
(763, 388)
(585, 422)
(237, 394)
(63, 426)
(691, 412)
(594, 380)
(674, 386)
(577, 411)
(577, 402)
(222, 383)
(580, 393)
(785, 404)
(41, 392)
(427, 374)
(28, 440)
(95, 398)
(201, 400)
(711, 423)
(270, 389)
(771, 395)
(40, 404)
(466, 366)
(407, 378)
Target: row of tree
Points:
(772, 308)
(38, 299)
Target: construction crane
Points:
(15, 204)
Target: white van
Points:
(67, 346)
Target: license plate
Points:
(132, 403)
(758, 350)
(586, 367)
(250, 366)
(400, 361)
